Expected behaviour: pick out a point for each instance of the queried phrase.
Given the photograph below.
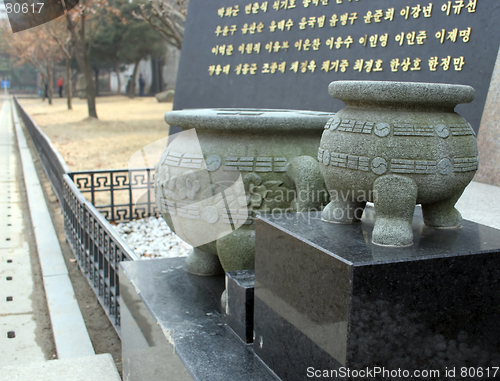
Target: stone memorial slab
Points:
(284, 53)
(327, 299)
(173, 327)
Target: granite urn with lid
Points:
(397, 144)
(227, 166)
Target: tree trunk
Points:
(117, 70)
(131, 90)
(50, 81)
(83, 62)
(87, 72)
(157, 82)
(96, 77)
(153, 89)
(74, 78)
(44, 87)
(161, 63)
(69, 84)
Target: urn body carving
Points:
(228, 165)
(397, 144)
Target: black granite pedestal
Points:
(173, 327)
(328, 301)
(239, 303)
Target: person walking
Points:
(142, 84)
(129, 83)
(60, 84)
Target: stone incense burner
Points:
(229, 165)
(397, 144)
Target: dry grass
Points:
(124, 127)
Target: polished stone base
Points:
(327, 298)
(239, 303)
(173, 327)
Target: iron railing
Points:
(97, 248)
(118, 194)
(53, 163)
(89, 200)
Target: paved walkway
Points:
(23, 354)
(18, 339)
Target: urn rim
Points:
(416, 93)
(248, 119)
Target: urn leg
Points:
(305, 174)
(394, 198)
(442, 214)
(200, 262)
(343, 211)
(237, 250)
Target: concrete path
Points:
(22, 355)
(90, 368)
(18, 326)
(70, 334)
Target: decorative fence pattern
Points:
(118, 194)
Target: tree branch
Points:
(164, 17)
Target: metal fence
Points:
(97, 248)
(118, 194)
(90, 200)
(53, 163)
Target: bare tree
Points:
(76, 23)
(35, 47)
(167, 17)
(83, 22)
(62, 38)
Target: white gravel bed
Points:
(152, 238)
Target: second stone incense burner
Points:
(397, 144)
(229, 165)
